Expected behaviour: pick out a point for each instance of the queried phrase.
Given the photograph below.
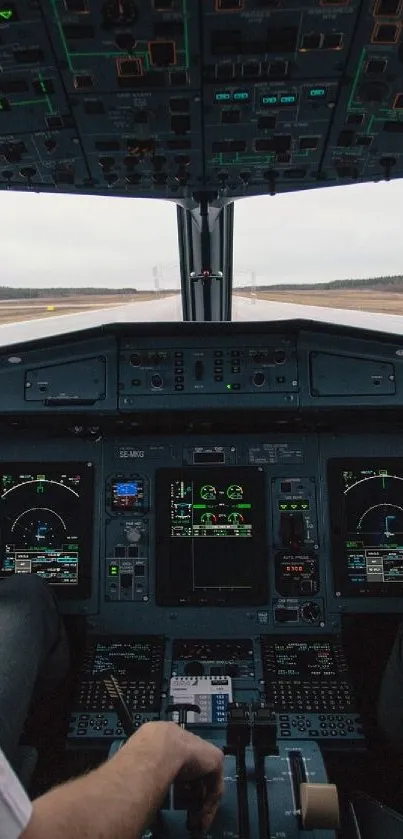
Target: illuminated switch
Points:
(386, 33)
(251, 69)
(363, 140)
(355, 119)
(180, 124)
(266, 123)
(229, 5)
(224, 72)
(345, 139)
(162, 53)
(129, 67)
(179, 105)
(83, 81)
(388, 8)
(332, 41)
(230, 117)
(277, 69)
(376, 66)
(311, 41)
(8, 13)
(308, 143)
(316, 94)
(288, 99)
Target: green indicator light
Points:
(113, 570)
(269, 100)
(222, 96)
(241, 96)
(228, 387)
(200, 506)
(288, 100)
(244, 506)
(6, 13)
(317, 92)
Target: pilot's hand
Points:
(203, 765)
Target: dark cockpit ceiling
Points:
(170, 98)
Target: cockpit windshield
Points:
(64, 254)
(319, 254)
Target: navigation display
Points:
(46, 514)
(366, 512)
(211, 543)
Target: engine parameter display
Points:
(46, 523)
(366, 509)
(211, 542)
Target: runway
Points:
(170, 309)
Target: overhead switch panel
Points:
(241, 86)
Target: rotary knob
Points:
(135, 533)
(258, 379)
(311, 612)
(157, 381)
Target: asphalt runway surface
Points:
(170, 309)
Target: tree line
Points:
(392, 283)
(8, 293)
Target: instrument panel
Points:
(282, 529)
(291, 544)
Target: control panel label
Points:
(128, 452)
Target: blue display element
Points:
(131, 488)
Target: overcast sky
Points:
(317, 235)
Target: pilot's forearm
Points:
(117, 800)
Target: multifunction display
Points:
(304, 659)
(211, 536)
(46, 514)
(215, 510)
(127, 495)
(366, 510)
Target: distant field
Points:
(12, 311)
(388, 302)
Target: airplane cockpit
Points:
(216, 505)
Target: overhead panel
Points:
(167, 98)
